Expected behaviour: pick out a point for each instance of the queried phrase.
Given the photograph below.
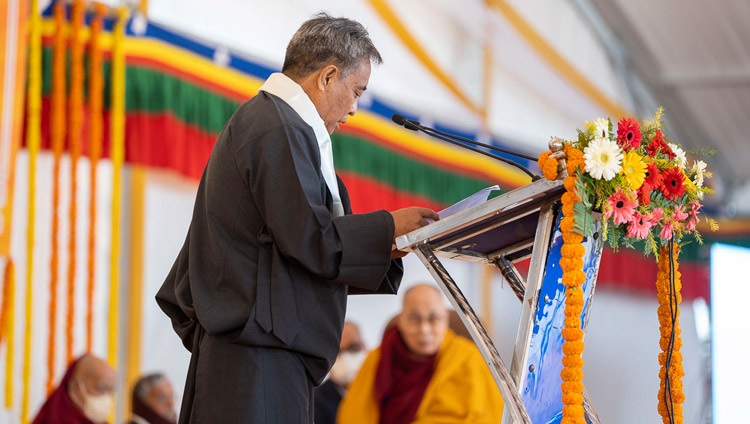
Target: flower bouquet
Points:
(645, 191)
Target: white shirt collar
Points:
(292, 94)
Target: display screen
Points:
(730, 335)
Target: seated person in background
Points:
(153, 401)
(422, 372)
(328, 395)
(85, 394)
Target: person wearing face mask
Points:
(422, 372)
(153, 401)
(328, 395)
(85, 394)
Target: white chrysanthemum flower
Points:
(603, 158)
(679, 155)
(602, 127)
(699, 167)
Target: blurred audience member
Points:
(328, 395)
(153, 401)
(422, 372)
(85, 394)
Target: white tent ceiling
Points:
(694, 58)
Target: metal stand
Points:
(517, 225)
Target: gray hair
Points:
(145, 383)
(325, 40)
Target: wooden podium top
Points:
(503, 226)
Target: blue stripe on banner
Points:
(162, 33)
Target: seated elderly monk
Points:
(422, 372)
(85, 394)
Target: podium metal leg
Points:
(513, 404)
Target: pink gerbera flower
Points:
(679, 213)
(695, 207)
(639, 226)
(621, 206)
(655, 216)
(666, 230)
(628, 134)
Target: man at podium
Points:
(258, 291)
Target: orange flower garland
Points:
(573, 278)
(671, 395)
(96, 90)
(548, 165)
(74, 137)
(57, 134)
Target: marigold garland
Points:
(57, 135)
(74, 136)
(96, 90)
(573, 278)
(671, 371)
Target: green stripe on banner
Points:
(153, 91)
(404, 174)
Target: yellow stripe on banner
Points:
(194, 65)
(442, 152)
(557, 61)
(33, 141)
(117, 141)
(186, 61)
(390, 18)
(135, 291)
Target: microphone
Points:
(457, 140)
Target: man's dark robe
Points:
(265, 264)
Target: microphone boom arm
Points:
(460, 141)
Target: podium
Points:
(520, 224)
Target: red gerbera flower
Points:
(673, 185)
(658, 145)
(644, 194)
(653, 176)
(628, 134)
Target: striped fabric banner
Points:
(177, 101)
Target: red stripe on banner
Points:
(159, 140)
(186, 151)
(631, 271)
(368, 195)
